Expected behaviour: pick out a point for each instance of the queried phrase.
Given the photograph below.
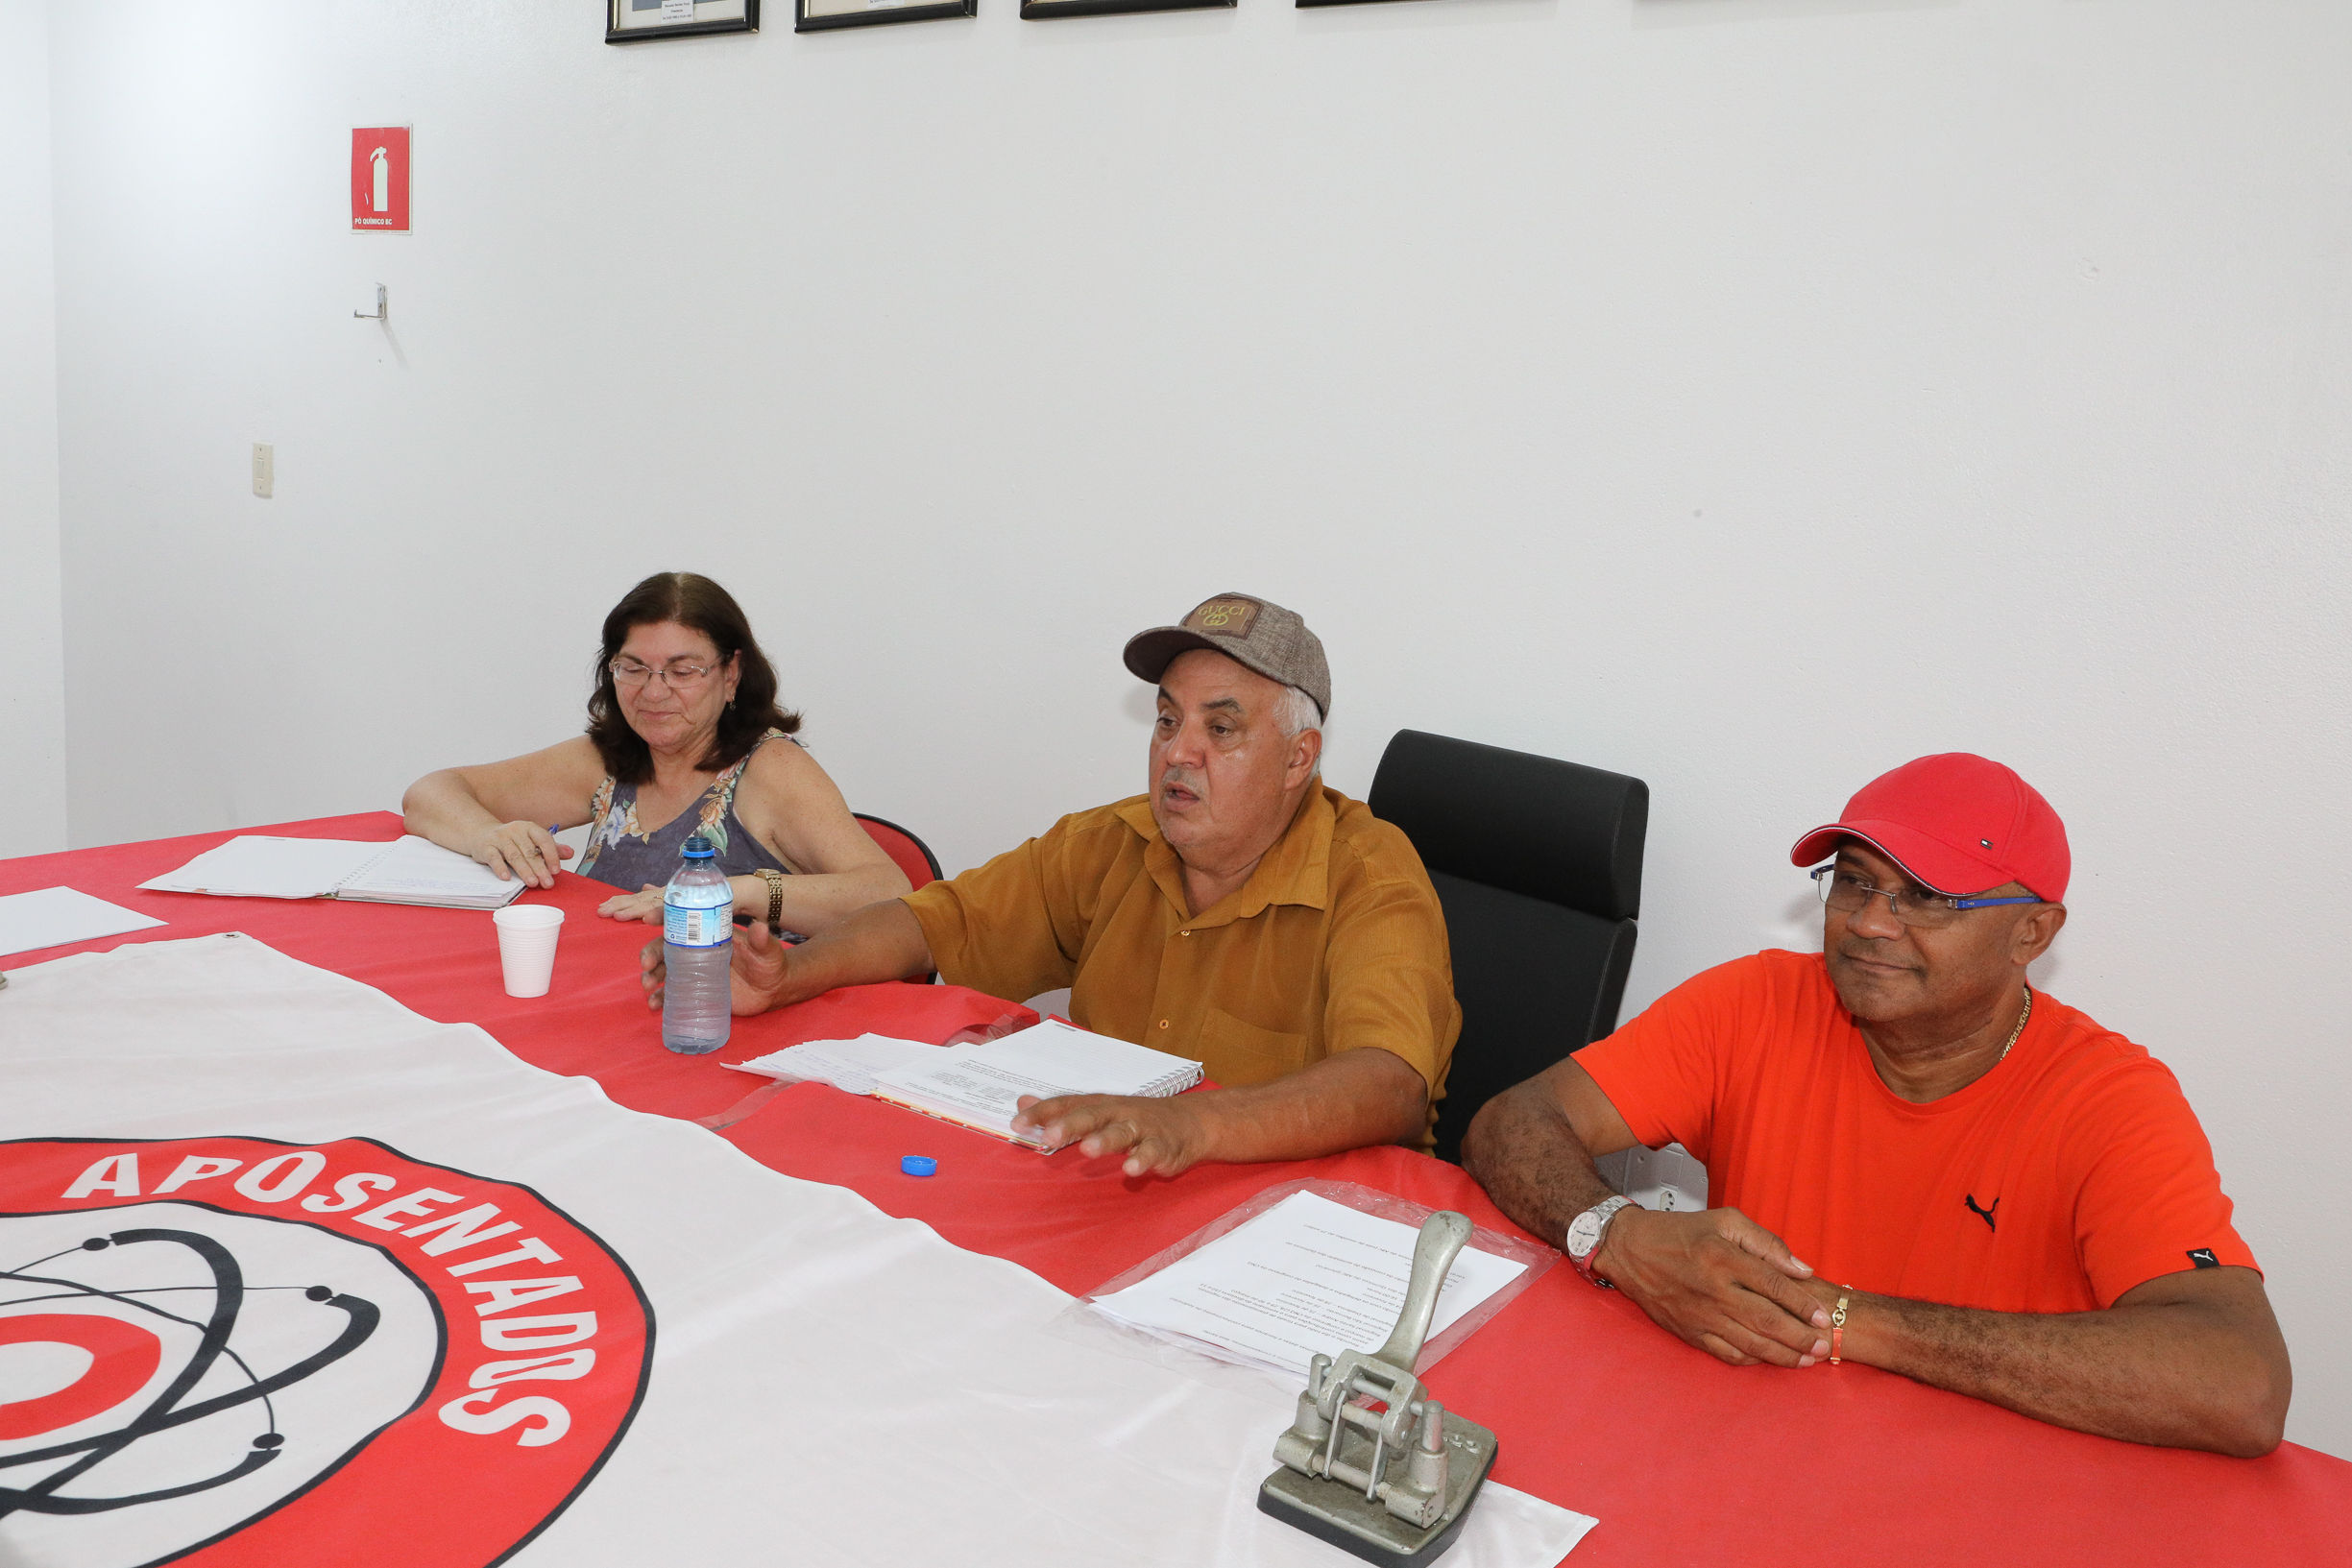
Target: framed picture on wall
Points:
(633, 21)
(815, 15)
(1038, 11)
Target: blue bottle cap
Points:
(698, 848)
(918, 1165)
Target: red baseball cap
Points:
(1959, 824)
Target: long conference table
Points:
(1682, 1460)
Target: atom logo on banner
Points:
(379, 180)
(222, 1351)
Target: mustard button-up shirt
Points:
(1336, 943)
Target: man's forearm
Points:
(1523, 1151)
(880, 942)
(1354, 1099)
(2207, 1373)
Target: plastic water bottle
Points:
(697, 939)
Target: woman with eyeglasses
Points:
(685, 737)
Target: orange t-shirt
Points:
(2070, 1173)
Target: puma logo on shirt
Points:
(1985, 1214)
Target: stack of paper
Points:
(419, 871)
(1307, 1276)
(980, 1086)
(848, 1065)
(408, 870)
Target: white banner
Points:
(291, 1274)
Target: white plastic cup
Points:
(527, 947)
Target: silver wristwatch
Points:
(1585, 1233)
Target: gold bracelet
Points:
(1837, 1332)
(775, 896)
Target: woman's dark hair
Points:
(700, 605)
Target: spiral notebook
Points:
(980, 1086)
(409, 870)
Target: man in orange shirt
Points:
(1995, 1196)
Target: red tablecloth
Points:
(1684, 1460)
(443, 963)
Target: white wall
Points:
(31, 607)
(1749, 394)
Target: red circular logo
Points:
(220, 1351)
(121, 1358)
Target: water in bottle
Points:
(697, 939)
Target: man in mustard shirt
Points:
(1242, 914)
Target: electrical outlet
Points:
(265, 469)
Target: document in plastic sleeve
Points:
(1308, 1276)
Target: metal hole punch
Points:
(1372, 1464)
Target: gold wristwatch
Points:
(775, 897)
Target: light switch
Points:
(265, 469)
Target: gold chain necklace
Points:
(2020, 1030)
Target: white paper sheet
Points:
(51, 917)
(848, 1065)
(419, 871)
(257, 866)
(1306, 1276)
(981, 1085)
(1087, 1062)
(979, 1093)
(408, 870)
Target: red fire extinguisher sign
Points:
(379, 181)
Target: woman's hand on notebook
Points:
(1159, 1137)
(521, 849)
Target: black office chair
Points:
(1538, 865)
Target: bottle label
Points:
(683, 928)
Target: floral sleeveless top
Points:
(627, 855)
